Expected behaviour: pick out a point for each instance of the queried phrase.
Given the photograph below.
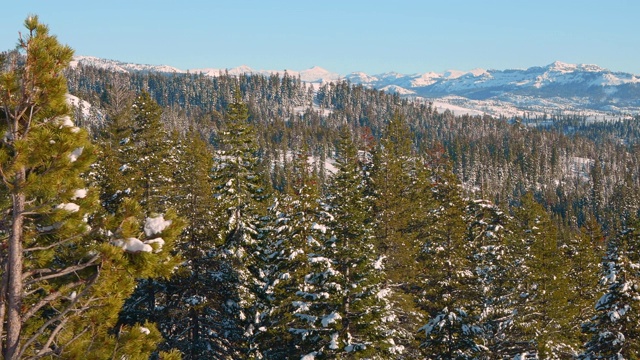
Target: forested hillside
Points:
(254, 217)
(574, 167)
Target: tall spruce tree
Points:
(146, 157)
(193, 316)
(489, 233)
(239, 190)
(362, 302)
(541, 323)
(615, 329)
(64, 276)
(400, 207)
(294, 324)
(453, 330)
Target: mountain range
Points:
(555, 89)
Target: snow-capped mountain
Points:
(558, 88)
(119, 66)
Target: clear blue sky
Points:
(374, 36)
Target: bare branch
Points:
(53, 275)
(61, 317)
(49, 298)
(48, 247)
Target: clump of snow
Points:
(309, 356)
(75, 154)
(378, 265)
(334, 341)
(382, 294)
(158, 241)
(331, 318)
(66, 121)
(133, 245)
(70, 207)
(155, 225)
(79, 194)
(145, 330)
(321, 228)
(395, 349)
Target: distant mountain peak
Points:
(555, 88)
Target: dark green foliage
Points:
(66, 266)
(614, 329)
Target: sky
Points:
(342, 36)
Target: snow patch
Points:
(132, 245)
(75, 154)
(79, 194)
(70, 207)
(155, 225)
(331, 318)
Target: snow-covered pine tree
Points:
(146, 158)
(64, 276)
(584, 251)
(400, 206)
(192, 315)
(540, 324)
(615, 328)
(448, 292)
(489, 232)
(239, 190)
(361, 299)
(298, 320)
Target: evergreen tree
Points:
(615, 328)
(239, 190)
(453, 330)
(64, 276)
(584, 253)
(192, 315)
(362, 300)
(146, 159)
(401, 206)
(299, 321)
(541, 319)
(147, 156)
(489, 233)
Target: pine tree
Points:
(146, 158)
(584, 252)
(489, 233)
(543, 299)
(615, 328)
(239, 190)
(64, 276)
(362, 300)
(294, 324)
(193, 312)
(401, 206)
(453, 330)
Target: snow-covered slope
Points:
(120, 66)
(558, 88)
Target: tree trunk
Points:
(14, 269)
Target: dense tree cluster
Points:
(257, 217)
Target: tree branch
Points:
(49, 298)
(37, 248)
(60, 318)
(60, 273)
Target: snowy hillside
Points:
(556, 89)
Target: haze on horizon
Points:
(406, 36)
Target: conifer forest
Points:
(185, 216)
